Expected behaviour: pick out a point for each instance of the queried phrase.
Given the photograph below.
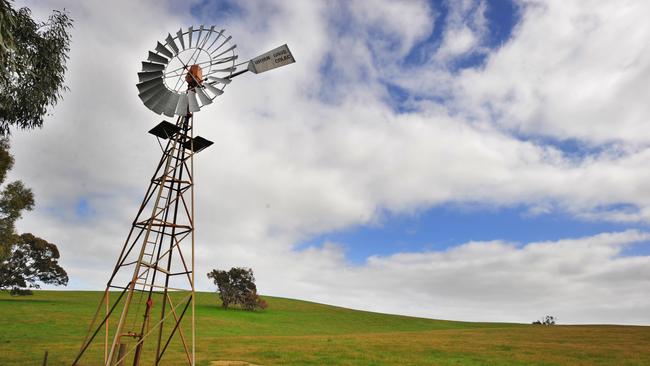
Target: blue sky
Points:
(501, 17)
(420, 147)
(448, 225)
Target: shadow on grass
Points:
(230, 309)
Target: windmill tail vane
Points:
(147, 307)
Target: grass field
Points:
(292, 332)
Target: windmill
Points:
(148, 304)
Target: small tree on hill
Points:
(547, 320)
(237, 287)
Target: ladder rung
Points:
(155, 267)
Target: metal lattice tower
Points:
(152, 307)
(148, 304)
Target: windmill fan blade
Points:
(181, 107)
(149, 92)
(229, 69)
(171, 43)
(198, 38)
(144, 86)
(191, 99)
(154, 98)
(219, 80)
(150, 66)
(170, 106)
(164, 50)
(222, 43)
(159, 105)
(154, 57)
(226, 51)
(209, 33)
(149, 75)
(205, 99)
(180, 38)
(190, 30)
(213, 89)
(149, 104)
(219, 34)
(224, 60)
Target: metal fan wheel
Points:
(162, 82)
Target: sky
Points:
(468, 160)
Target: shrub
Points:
(547, 320)
(237, 287)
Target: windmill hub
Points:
(194, 76)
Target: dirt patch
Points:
(232, 363)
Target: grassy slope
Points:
(303, 333)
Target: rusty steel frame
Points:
(167, 194)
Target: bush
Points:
(547, 320)
(237, 287)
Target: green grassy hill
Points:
(292, 332)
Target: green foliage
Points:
(14, 199)
(33, 59)
(7, 23)
(237, 287)
(25, 259)
(32, 260)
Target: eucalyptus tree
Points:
(33, 59)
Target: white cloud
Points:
(572, 70)
(393, 26)
(298, 153)
(464, 30)
(457, 42)
(576, 280)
